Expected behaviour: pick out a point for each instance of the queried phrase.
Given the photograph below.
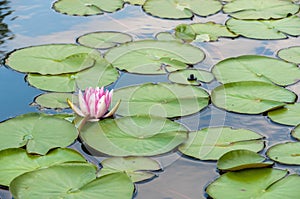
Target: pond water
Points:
(29, 23)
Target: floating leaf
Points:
(181, 9)
(198, 31)
(55, 100)
(74, 181)
(288, 115)
(149, 56)
(296, 132)
(137, 168)
(291, 54)
(212, 143)
(260, 9)
(285, 153)
(135, 2)
(87, 7)
(166, 36)
(190, 76)
(15, 162)
(133, 136)
(256, 68)
(52, 59)
(241, 159)
(251, 97)
(163, 99)
(265, 29)
(101, 74)
(38, 132)
(103, 39)
(264, 183)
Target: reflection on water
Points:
(5, 33)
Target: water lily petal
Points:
(101, 107)
(75, 108)
(82, 104)
(92, 105)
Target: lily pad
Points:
(149, 56)
(55, 100)
(241, 159)
(137, 168)
(101, 74)
(166, 36)
(285, 153)
(201, 32)
(256, 68)
(103, 39)
(260, 9)
(263, 183)
(38, 132)
(265, 29)
(74, 181)
(163, 99)
(15, 162)
(212, 143)
(181, 9)
(251, 97)
(288, 115)
(87, 7)
(190, 76)
(52, 59)
(291, 54)
(296, 132)
(135, 2)
(133, 136)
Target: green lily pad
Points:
(256, 68)
(103, 39)
(288, 115)
(52, 59)
(74, 181)
(285, 153)
(137, 168)
(163, 99)
(265, 29)
(181, 9)
(55, 100)
(15, 162)
(101, 74)
(263, 183)
(133, 136)
(241, 159)
(212, 143)
(135, 2)
(251, 97)
(296, 132)
(166, 36)
(200, 31)
(190, 76)
(260, 9)
(291, 54)
(87, 7)
(149, 56)
(38, 132)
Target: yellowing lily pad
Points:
(137, 168)
(251, 97)
(87, 7)
(288, 115)
(212, 143)
(256, 68)
(190, 76)
(291, 54)
(260, 9)
(15, 162)
(198, 31)
(133, 136)
(285, 153)
(103, 39)
(101, 74)
(153, 56)
(241, 159)
(265, 29)
(181, 9)
(77, 181)
(52, 59)
(263, 183)
(163, 99)
(38, 132)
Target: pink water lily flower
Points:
(94, 104)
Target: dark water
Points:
(27, 23)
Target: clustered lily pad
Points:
(291, 54)
(190, 76)
(55, 100)
(285, 153)
(288, 114)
